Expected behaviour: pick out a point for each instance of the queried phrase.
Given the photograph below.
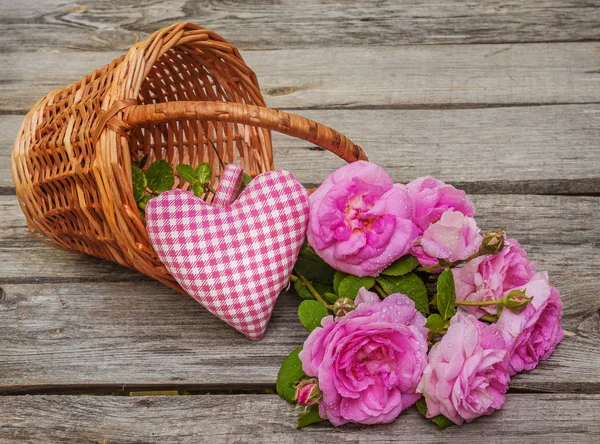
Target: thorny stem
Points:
(312, 290)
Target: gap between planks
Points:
(177, 389)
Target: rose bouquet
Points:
(407, 302)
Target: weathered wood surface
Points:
(558, 231)
(496, 97)
(115, 25)
(267, 419)
(134, 336)
(442, 76)
(537, 150)
(57, 332)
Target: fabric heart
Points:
(232, 257)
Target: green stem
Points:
(479, 303)
(489, 318)
(380, 290)
(211, 189)
(431, 268)
(443, 264)
(217, 153)
(314, 292)
(293, 278)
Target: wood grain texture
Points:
(441, 76)
(115, 25)
(558, 231)
(523, 150)
(132, 336)
(59, 333)
(495, 97)
(268, 419)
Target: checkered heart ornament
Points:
(234, 256)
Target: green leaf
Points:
(139, 183)
(203, 173)
(302, 290)
(337, 278)
(311, 313)
(142, 216)
(143, 202)
(411, 285)
(160, 176)
(198, 189)
(187, 173)
(435, 323)
(402, 266)
(322, 289)
(246, 179)
(446, 295)
(440, 420)
(289, 374)
(421, 406)
(330, 297)
(350, 285)
(141, 161)
(313, 267)
(309, 417)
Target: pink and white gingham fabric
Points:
(233, 258)
(230, 182)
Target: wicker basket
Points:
(171, 96)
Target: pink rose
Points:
(432, 197)
(369, 362)
(308, 393)
(454, 237)
(467, 374)
(491, 277)
(535, 332)
(360, 221)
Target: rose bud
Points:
(343, 306)
(516, 300)
(493, 242)
(307, 392)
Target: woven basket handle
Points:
(272, 119)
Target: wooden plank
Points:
(363, 77)
(115, 25)
(537, 150)
(525, 150)
(132, 336)
(64, 335)
(525, 418)
(557, 231)
(9, 126)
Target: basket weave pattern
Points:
(180, 95)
